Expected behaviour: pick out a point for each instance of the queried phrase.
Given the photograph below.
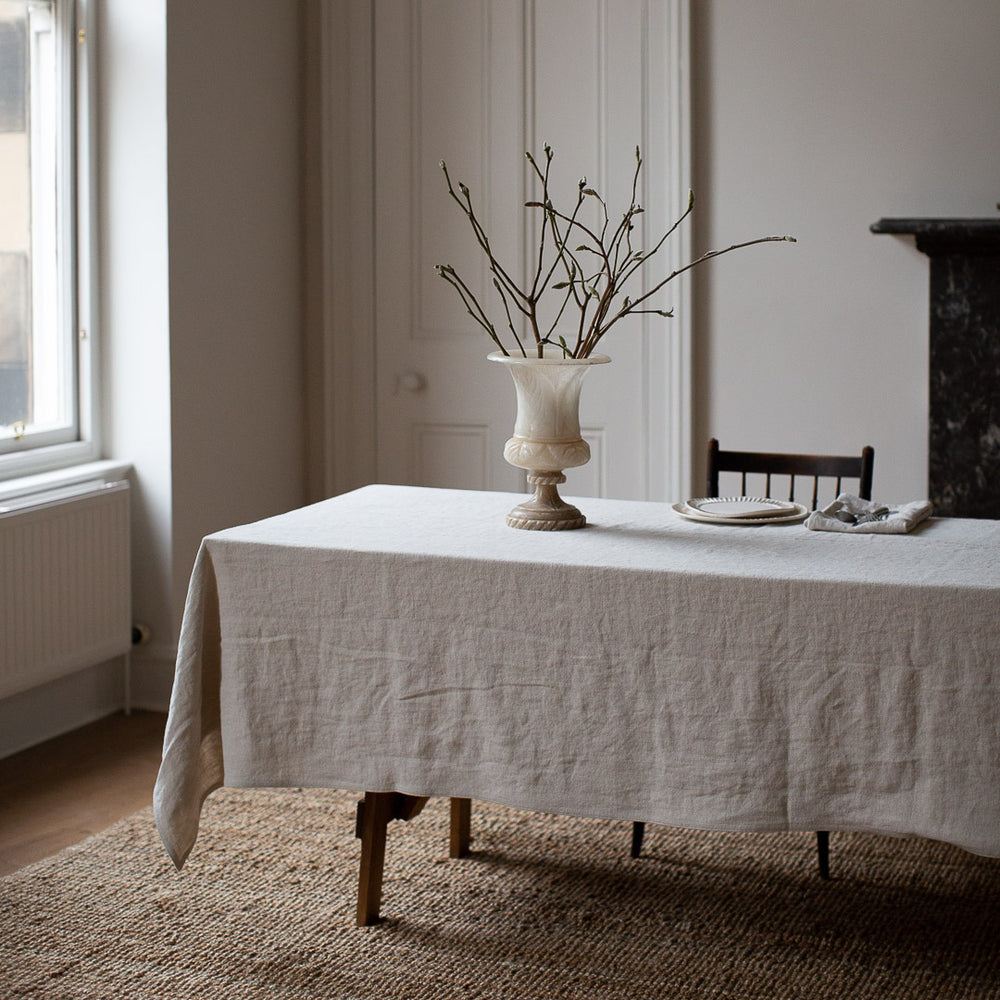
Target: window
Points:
(44, 353)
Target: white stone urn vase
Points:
(547, 434)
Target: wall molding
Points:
(671, 426)
(340, 348)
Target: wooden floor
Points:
(61, 792)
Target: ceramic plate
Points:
(692, 514)
(742, 506)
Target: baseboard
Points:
(62, 705)
(152, 676)
(59, 706)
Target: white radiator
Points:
(65, 594)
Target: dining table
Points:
(404, 642)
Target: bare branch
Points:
(595, 295)
(471, 303)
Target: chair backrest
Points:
(808, 467)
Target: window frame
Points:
(49, 451)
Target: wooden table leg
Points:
(374, 813)
(461, 823)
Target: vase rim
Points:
(553, 359)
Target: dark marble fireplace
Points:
(964, 432)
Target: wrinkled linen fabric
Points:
(750, 677)
(893, 519)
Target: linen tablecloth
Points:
(646, 667)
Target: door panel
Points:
(442, 93)
(476, 83)
(451, 456)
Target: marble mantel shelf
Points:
(936, 237)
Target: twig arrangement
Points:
(592, 275)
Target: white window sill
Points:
(60, 479)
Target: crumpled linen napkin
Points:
(851, 513)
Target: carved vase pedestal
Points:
(546, 510)
(547, 435)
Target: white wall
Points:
(133, 262)
(201, 215)
(816, 119)
(236, 341)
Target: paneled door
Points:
(476, 83)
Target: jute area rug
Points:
(545, 906)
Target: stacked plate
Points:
(741, 510)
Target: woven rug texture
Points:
(544, 906)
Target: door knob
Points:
(411, 381)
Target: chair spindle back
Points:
(807, 467)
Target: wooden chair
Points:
(757, 470)
(752, 465)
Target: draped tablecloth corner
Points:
(192, 766)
